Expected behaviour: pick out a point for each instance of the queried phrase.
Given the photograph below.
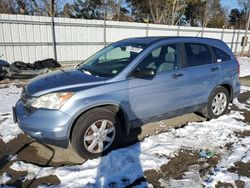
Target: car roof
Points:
(150, 40)
(144, 40)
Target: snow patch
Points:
(123, 166)
(8, 129)
(4, 178)
(240, 152)
(33, 170)
(8, 98)
(244, 89)
(242, 106)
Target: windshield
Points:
(111, 60)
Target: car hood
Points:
(61, 80)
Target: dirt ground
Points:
(39, 154)
(178, 165)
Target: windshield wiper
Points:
(93, 71)
(86, 72)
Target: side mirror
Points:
(145, 73)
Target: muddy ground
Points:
(33, 152)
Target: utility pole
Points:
(147, 28)
(53, 28)
(104, 24)
(245, 35)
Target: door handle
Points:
(213, 69)
(177, 75)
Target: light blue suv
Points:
(125, 85)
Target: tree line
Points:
(206, 13)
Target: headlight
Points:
(52, 100)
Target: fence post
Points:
(232, 43)
(147, 27)
(104, 32)
(178, 30)
(222, 33)
(202, 31)
(53, 31)
(104, 24)
(245, 35)
(237, 41)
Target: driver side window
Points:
(162, 59)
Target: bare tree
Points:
(206, 14)
(178, 5)
(116, 11)
(115, 8)
(68, 11)
(246, 13)
(6, 7)
(156, 9)
(214, 15)
(16, 7)
(245, 4)
(44, 7)
(166, 11)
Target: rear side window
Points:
(221, 56)
(197, 54)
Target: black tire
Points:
(83, 125)
(207, 112)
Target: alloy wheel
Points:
(219, 104)
(99, 136)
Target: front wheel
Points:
(217, 103)
(96, 133)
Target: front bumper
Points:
(46, 126)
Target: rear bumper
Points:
(46, 126)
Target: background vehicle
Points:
(4, 67)
(123, 86)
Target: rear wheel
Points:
(96, 133)
(217, 103)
